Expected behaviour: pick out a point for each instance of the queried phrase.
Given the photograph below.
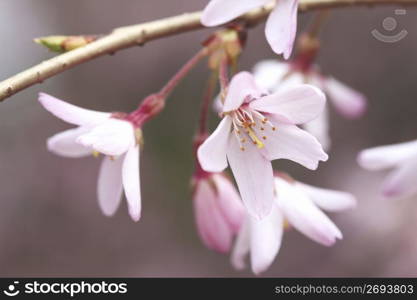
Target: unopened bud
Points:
(62, 43)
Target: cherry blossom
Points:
(219, 211)
(281, 26)
(108, 134)
(298, 204)
(401, 182)
(273, 75)
(257, 128)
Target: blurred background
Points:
(50, 222)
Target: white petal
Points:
(212, 153)
(269, 73)
(329, 200)
(212, 227)
(242, 247)
(319, 128)
(347, 101)
(383, 157)
(218, 12)
(297, 105)
(304, 215)
(293, 143)
(281, 27)
(64, 143)
(241, 86)
(254, 177)
(71, 113)
(109, 187)
(403, 181)
(131, 182)
(265, 242)
(113, 137)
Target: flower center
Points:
(249, 124)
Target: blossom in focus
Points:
(402, 181)
(257, 128)
(298, 205)
(281, 26)
(108, 134)
(274, 75)
(218, 210)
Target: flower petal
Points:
(71, 113)
(269, 73)
(329, 200)
(348, 102)
(212, 227)
(229, 202)
(64, 144)
(218, 12)
(281, 27)
(242, 85)
(402, 182)
(113, 137)
(131, 182)
(242, 247)
(254, 177)
(265, 240)
(319, 128)
(293, 143)
(304, 215)
(383, 157)
(296, 105)
(212, 153)
(109, 187)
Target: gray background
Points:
(50, 223)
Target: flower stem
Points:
(208, 96)
(318, 22)
(224, 77)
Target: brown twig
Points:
(130, 36)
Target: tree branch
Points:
(126, 37)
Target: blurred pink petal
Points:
(301, 213)
(265, 240)
(319, 128)
(293, 143)
(64, 143)
(71, 113)
(229, 202)
(270, 73)
(212, 153)
(402, 182)
(329, 200)
(298, 105)
(242, 85)
(347, 101)
(241, 247)
(281, 27)
(218, 12)
(131, 182)
(109, 187)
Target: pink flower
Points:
(218, 209)
(273, 75)
(100, 132)
(299, 204)
(403, 158)
(281, 26)
(258, 128)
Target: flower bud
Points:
(62, 43)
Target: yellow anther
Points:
(96, 154)
(242, 148)
(255, 139)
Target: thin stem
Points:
(208, 96)
(173, 82)
(130, 36)
(224, 77)
(318, 23)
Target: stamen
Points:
(96, 154)
(255, 139)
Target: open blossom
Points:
(298, 204)
(218, 209)
(108, 134)
(402, 181)
(281, 26)
(258, 128)
(274, 75)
